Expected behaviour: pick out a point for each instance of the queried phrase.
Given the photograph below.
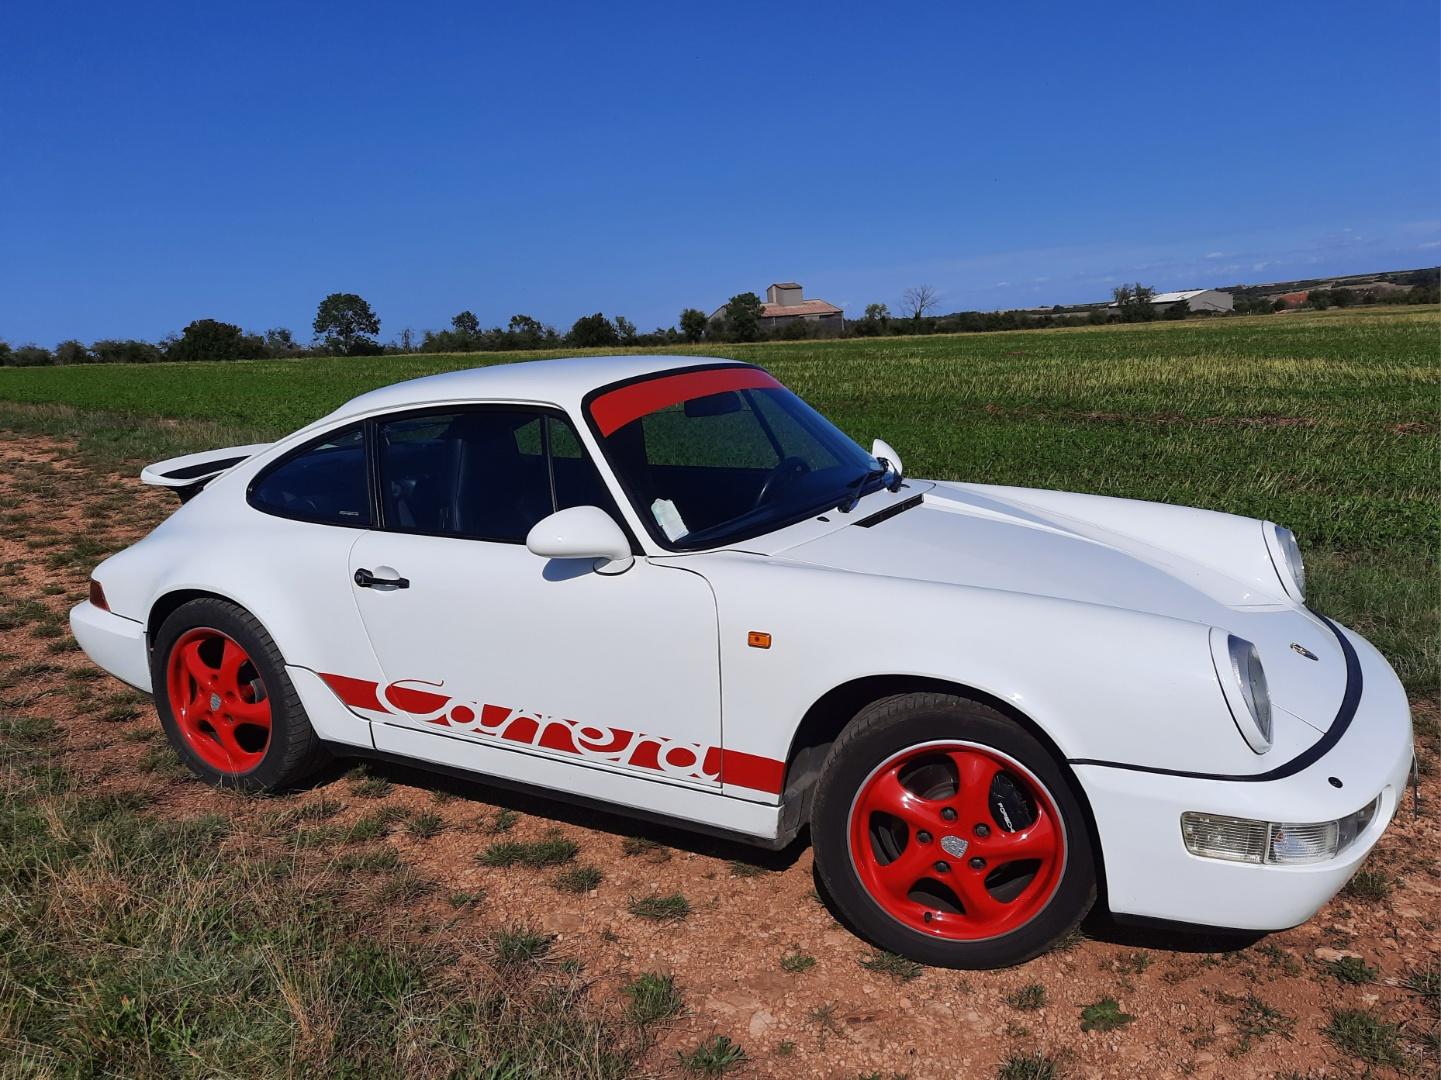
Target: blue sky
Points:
(165, 162)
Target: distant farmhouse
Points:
(1196, 300)
(786, 303)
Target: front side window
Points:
(711, 456)
(484, 474)
(324, 483)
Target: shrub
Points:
(118, 351)
(30, 356)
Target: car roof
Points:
(563, 382)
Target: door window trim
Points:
(372, 441)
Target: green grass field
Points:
(1326, 422)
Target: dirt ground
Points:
(1201, 1006)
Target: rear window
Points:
(324, 483)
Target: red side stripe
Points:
(736, 766)
(357, 693)
(751, 771)
(618, 408)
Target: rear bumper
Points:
(115, 643)
(1149, 872)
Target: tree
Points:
(692, 324)
(743, 317)
(125, 352)
(5, 353)
(210, 339)
(1134, 302)
(917, 300)
(72, 352)
(1179, 310)
(279, 341)
(625, 330)
(466, 323)
(592, 332)
(347, 324)
(30, 356)
(529, 333)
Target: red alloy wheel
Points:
(219, 701)
(957, 840)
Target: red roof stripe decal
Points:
(614, 745)
(614, 410)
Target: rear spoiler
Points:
(187, 475)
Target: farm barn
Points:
(786, 303)
(1197, 299)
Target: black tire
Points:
(293, 752)
(895, 725)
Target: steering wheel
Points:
(786, 470)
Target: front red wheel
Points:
(945, 832)
(957, 840)
(219, 701)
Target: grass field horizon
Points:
(1326, 422)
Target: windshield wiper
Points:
(848, 503)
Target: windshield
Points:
(710, 456)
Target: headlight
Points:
(1286, 558)
(1243, 682)
(1216, 836)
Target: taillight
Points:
(97, 596)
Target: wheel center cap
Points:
(954, 846)
(214, 702)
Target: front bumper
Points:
(115, 643)
(1149, 872)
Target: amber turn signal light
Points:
(758, 639)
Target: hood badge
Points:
(1297, 647)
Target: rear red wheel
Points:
(957, 840)
(226, 700)
(944, 831)
(219, 701)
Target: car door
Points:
(485, 641)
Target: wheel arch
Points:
(168, 603)
(829, 715)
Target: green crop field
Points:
(1326, 422)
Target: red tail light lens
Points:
(97, 596)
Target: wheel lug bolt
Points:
(983, 830)
(978, 863)
(923, 837)
(948, 814)
(943, 867)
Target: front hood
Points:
(962, 535)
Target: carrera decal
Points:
(617, 746)
(614, 410)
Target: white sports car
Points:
(670, 586)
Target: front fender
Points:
(1102, 682)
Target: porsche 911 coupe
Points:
(669, 586)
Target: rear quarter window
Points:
(324, 483)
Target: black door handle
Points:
(366, 580)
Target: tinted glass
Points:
(325, 484)
(482, 474)
(576, 481)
